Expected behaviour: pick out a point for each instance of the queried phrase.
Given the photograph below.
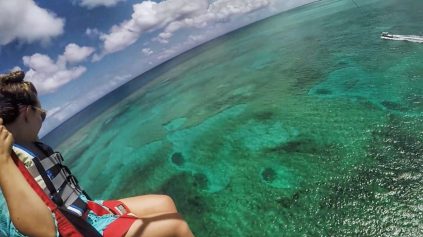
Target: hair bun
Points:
(12, 77)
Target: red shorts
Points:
(120, 226)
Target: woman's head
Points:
(15, 93)
(19, 106)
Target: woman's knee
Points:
(167, 202)
(148, 205)
(154, 227)
(183, 229)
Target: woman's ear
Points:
(24, 114)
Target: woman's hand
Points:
(6, 141)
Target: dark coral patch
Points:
(288, 202)
(264, 115)
(201, 181)
(303, 145)
(178, 159)
(268, 174)
(195, 201)
(393, 105)
(323, 92)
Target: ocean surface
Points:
(303, 124)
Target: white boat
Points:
(410, 38)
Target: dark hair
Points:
(15, 92)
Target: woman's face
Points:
(35, 118)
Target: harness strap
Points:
(53, 192)
(97, 208)
(33, 171)
(59, 180)
(120, 226)
(116, 207)
(66, 228)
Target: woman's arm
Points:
(27, 211)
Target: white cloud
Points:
(190, 42)
(197, 38)
(25, 21)
(147, 51)
(97, 3)
(15, 68)
(48, 75)
(168, 53)
(94, 32)
(170, 16)
(223, 10)
(75, 54)
(148, 16)
(217, 12)
(119, 79)
(120, 37)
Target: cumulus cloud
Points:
(49, 75)
(75, 54)
(98, 3)
(219, 11)
(148, 16)
(170, 16)
(23, 20)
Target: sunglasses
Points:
(43, 112)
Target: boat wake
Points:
(410, 38)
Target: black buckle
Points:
(58, 157)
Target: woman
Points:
(23, 213)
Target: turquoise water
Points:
(304, 124)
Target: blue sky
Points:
(76, 51)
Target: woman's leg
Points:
(159, 217)
(150, 205)
(165, 225)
